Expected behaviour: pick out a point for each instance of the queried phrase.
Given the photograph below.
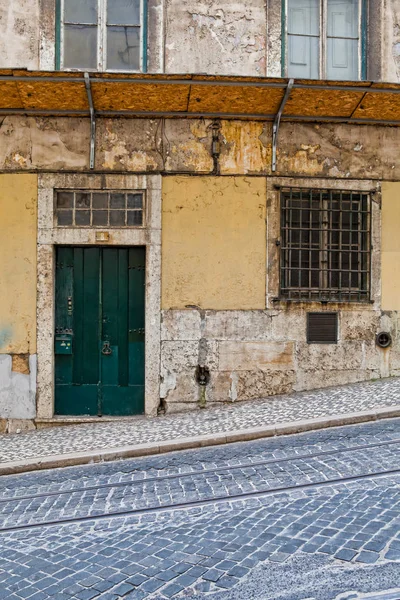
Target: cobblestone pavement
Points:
(319, 541)
(283, 409)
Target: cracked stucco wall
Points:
(221, 37)
(183, 145)
(391, 41)
(19, 34)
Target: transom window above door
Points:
(101, 35)
(325, 39)
(84, 208)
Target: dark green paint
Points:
(283, 38)
(364, 39)
(145, 35)
(58, 35)
(100, 297)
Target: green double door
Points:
(99, 331)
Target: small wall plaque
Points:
(102, 236)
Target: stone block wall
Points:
(255, 354)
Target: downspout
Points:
(277, 122)
(92, 121)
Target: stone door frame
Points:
(49, 236)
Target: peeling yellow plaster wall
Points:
(214, 242)
(18, 217)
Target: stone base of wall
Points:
(256, 354)
(249, 354)
(17, 425)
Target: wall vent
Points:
(322, 328)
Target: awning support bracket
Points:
(92, 121)
(277, 122)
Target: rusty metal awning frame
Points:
(78, 94)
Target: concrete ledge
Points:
(201, 441)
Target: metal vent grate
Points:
(322, 328)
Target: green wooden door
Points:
(99, 336)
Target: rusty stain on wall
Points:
(247, 144)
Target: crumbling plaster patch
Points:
(43, 143)
(391, 43)
(19, 32)
(216, 37)
(17, 390)
(337, 151)
(246, 143)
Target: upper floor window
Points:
(100, 35)
(325, 39)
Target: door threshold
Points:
(77, 420)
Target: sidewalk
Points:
(82, 444)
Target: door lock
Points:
(106, 350)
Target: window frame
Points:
(324, 292)
(101, 40)
(362, 39)
(104, 227)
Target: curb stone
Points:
(200, 441)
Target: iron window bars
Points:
(325, 246)
(83, 208)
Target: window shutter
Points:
(342, 52)
(303, 38)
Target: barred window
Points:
(325, 245)
(83, 208)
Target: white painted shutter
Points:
(303, 39)
(342, 52)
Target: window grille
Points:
(83, 208)
(325, 245)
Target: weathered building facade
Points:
(167, 250)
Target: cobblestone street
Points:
(308, 516)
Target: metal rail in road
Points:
(141, 481)
(209, 499)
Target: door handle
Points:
(106, 350)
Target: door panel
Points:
(99, 299)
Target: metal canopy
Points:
(192, 96)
